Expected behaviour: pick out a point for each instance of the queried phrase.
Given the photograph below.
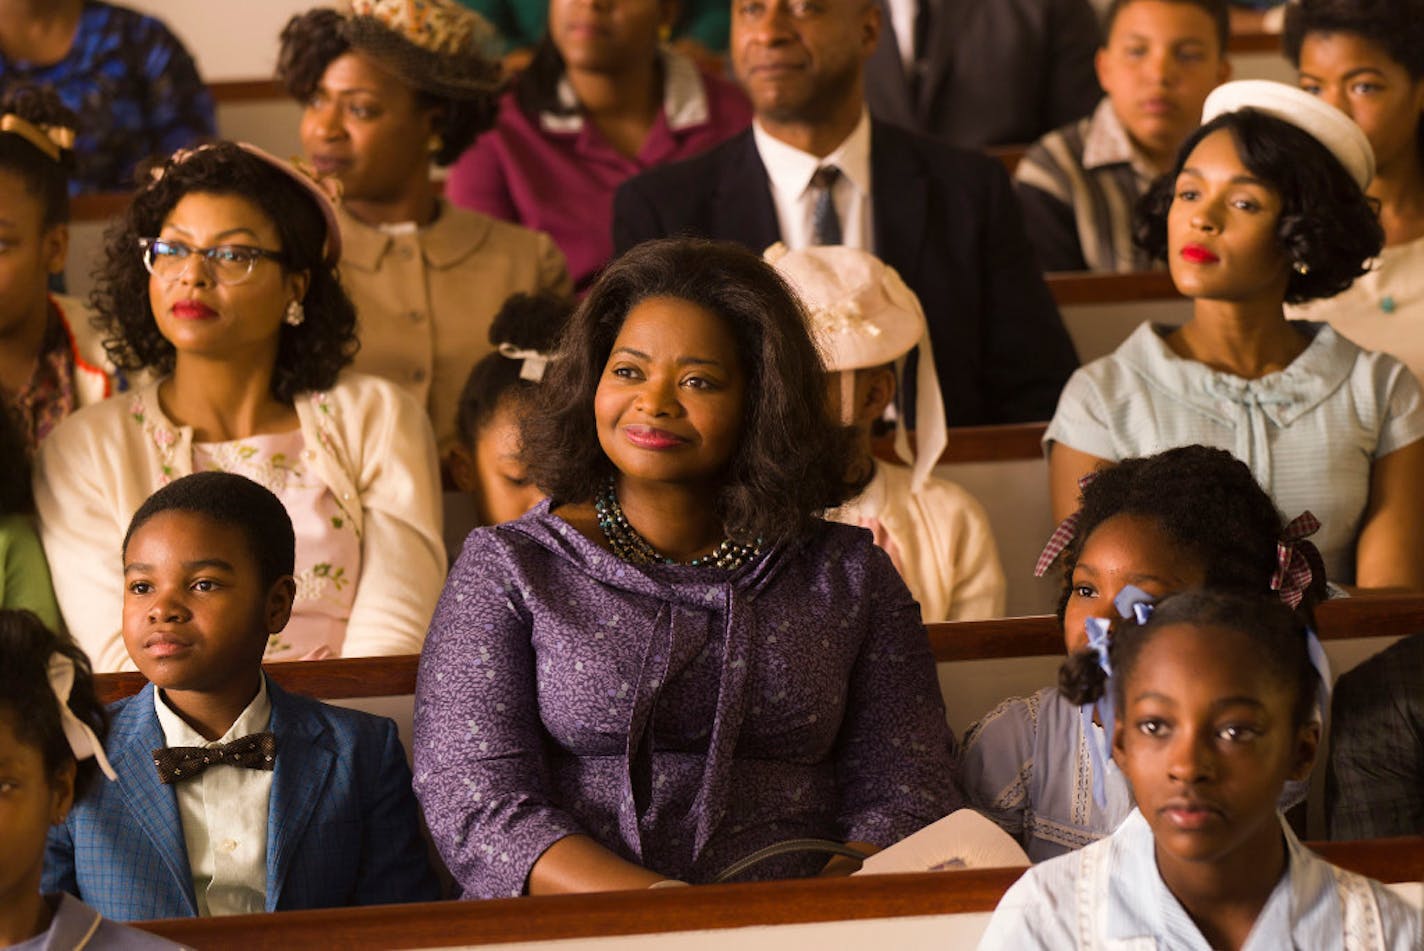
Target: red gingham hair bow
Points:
(1297, 560)
(1064, 533)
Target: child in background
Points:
(1188, 517)
(52, 361)
(1078, 185)
(24, 573)
(867, 321)
(306, 805)
(50, 747)
(485, 459)
(1214, 693)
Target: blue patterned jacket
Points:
(343, 827)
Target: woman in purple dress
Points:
(673, 662)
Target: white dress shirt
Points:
(224, 815)
(789, 171)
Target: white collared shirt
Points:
(1110, 895)
(224, 815)
(789, 171)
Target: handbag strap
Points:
(787, 847)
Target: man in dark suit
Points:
(945, 219)
(977, 73)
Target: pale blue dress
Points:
(1111, 896)
(1310, 432)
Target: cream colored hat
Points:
(1312, 115)
(863, 315)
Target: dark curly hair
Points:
(309, 357)
(1395, 26)
(1218, 10)
(1277, 637)
(1207, 503)
(1326, 223)
(236, 501)
(529, 322)
(312, 40)
(45, 178)
(26, 646)
(792, 457)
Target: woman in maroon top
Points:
(601, 101)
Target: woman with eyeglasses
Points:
(220, 284)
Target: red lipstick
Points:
(648, 437)
(1196, 254)
(193, 310)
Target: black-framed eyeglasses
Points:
(227, 263)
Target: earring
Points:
(296, 313)
(434, 143)
(1300, 267)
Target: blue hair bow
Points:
(1131, 602)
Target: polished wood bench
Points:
(706, 908)
(1003, 638)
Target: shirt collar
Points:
(452, 236)
(254, 719)
(1283, 396)
(1107, 143)
(790, 169)
(684, 98)
(1158, 914)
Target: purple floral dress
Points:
(683, 717)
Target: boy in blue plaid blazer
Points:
(233, 796)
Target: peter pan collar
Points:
(1283, 397)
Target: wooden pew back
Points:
(902, 911)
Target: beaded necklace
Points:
(632, 547)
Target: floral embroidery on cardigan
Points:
(163, 437)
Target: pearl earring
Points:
(1300, 267)
(296, 313)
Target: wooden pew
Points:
(673, 911)
(1342, 619)
(953, 642)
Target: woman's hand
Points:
(577, 863)
(842, 865)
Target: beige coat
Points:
(425, 298)
(939, 538)
(364, 438)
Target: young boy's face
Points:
(196, 612)
(1160, 61)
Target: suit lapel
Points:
(939, 57)
(135, 734)
(900, 197)
(742, 209)
(299, 779)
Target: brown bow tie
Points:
(177, 763)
